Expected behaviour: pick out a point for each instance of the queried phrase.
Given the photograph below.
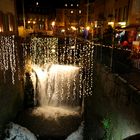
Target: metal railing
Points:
(117, 59)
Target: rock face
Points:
(112, 112)
(17, 132)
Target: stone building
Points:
(8, 17)
(117, 12)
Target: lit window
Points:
(1, 22)
(80, 11)
(71, 4)
(11, 22)
(71, 11)
(37, 3)
(77, 5)
(66, 5)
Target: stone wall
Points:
(11, 73)
(11, 97)
(112, 112)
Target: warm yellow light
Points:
(87, 27)
(0, 29)
(111, 24)
(29, 22)
(122, 24)
(63, 30)
(39, 71)
(72, 47)
(53, 50)
(71, 11)
(10, 28)
(63, 68)
(73, 28)
(34, 22)
(95, 24)
(37, 3)
(53, 23)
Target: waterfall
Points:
(56, 85)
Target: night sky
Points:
(48, 5)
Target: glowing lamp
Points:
(88, 28)
(111, 24)
(28, 21)
(73, 28)
(0, 29)
(63, 30)
(122, 24)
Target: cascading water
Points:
(56, 85)
(61, 76)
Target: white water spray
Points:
(54, 84)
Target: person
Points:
(28, 92)
(85, 33)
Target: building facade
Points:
(32, 17)
(8, 24)
(117, 12)
(69, 17)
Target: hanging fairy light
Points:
(74, 79)
(45, 51)
(91, 71)
(80, 72)
(8, 55)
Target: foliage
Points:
(107, 125)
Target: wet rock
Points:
(16, 132)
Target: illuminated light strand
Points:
(84, 63)
(92, 59)
(8, 56)
(74, 79)
(68, 86)
(56, 88)
(85, 69)
(7, 44)
(89, 68)
(91, 85)
(1, 56)
(13, 60)
(45, 51)
(63, 55)
(62, 88)
(4, 57)
(89, 60)
(80, 73)
(67, 62)
(18, 64)
(67, 52)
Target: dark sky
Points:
(53, 3)
(50, 5)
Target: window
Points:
(71, 11)
(10, 22)
(1, 22)
(119, 14)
